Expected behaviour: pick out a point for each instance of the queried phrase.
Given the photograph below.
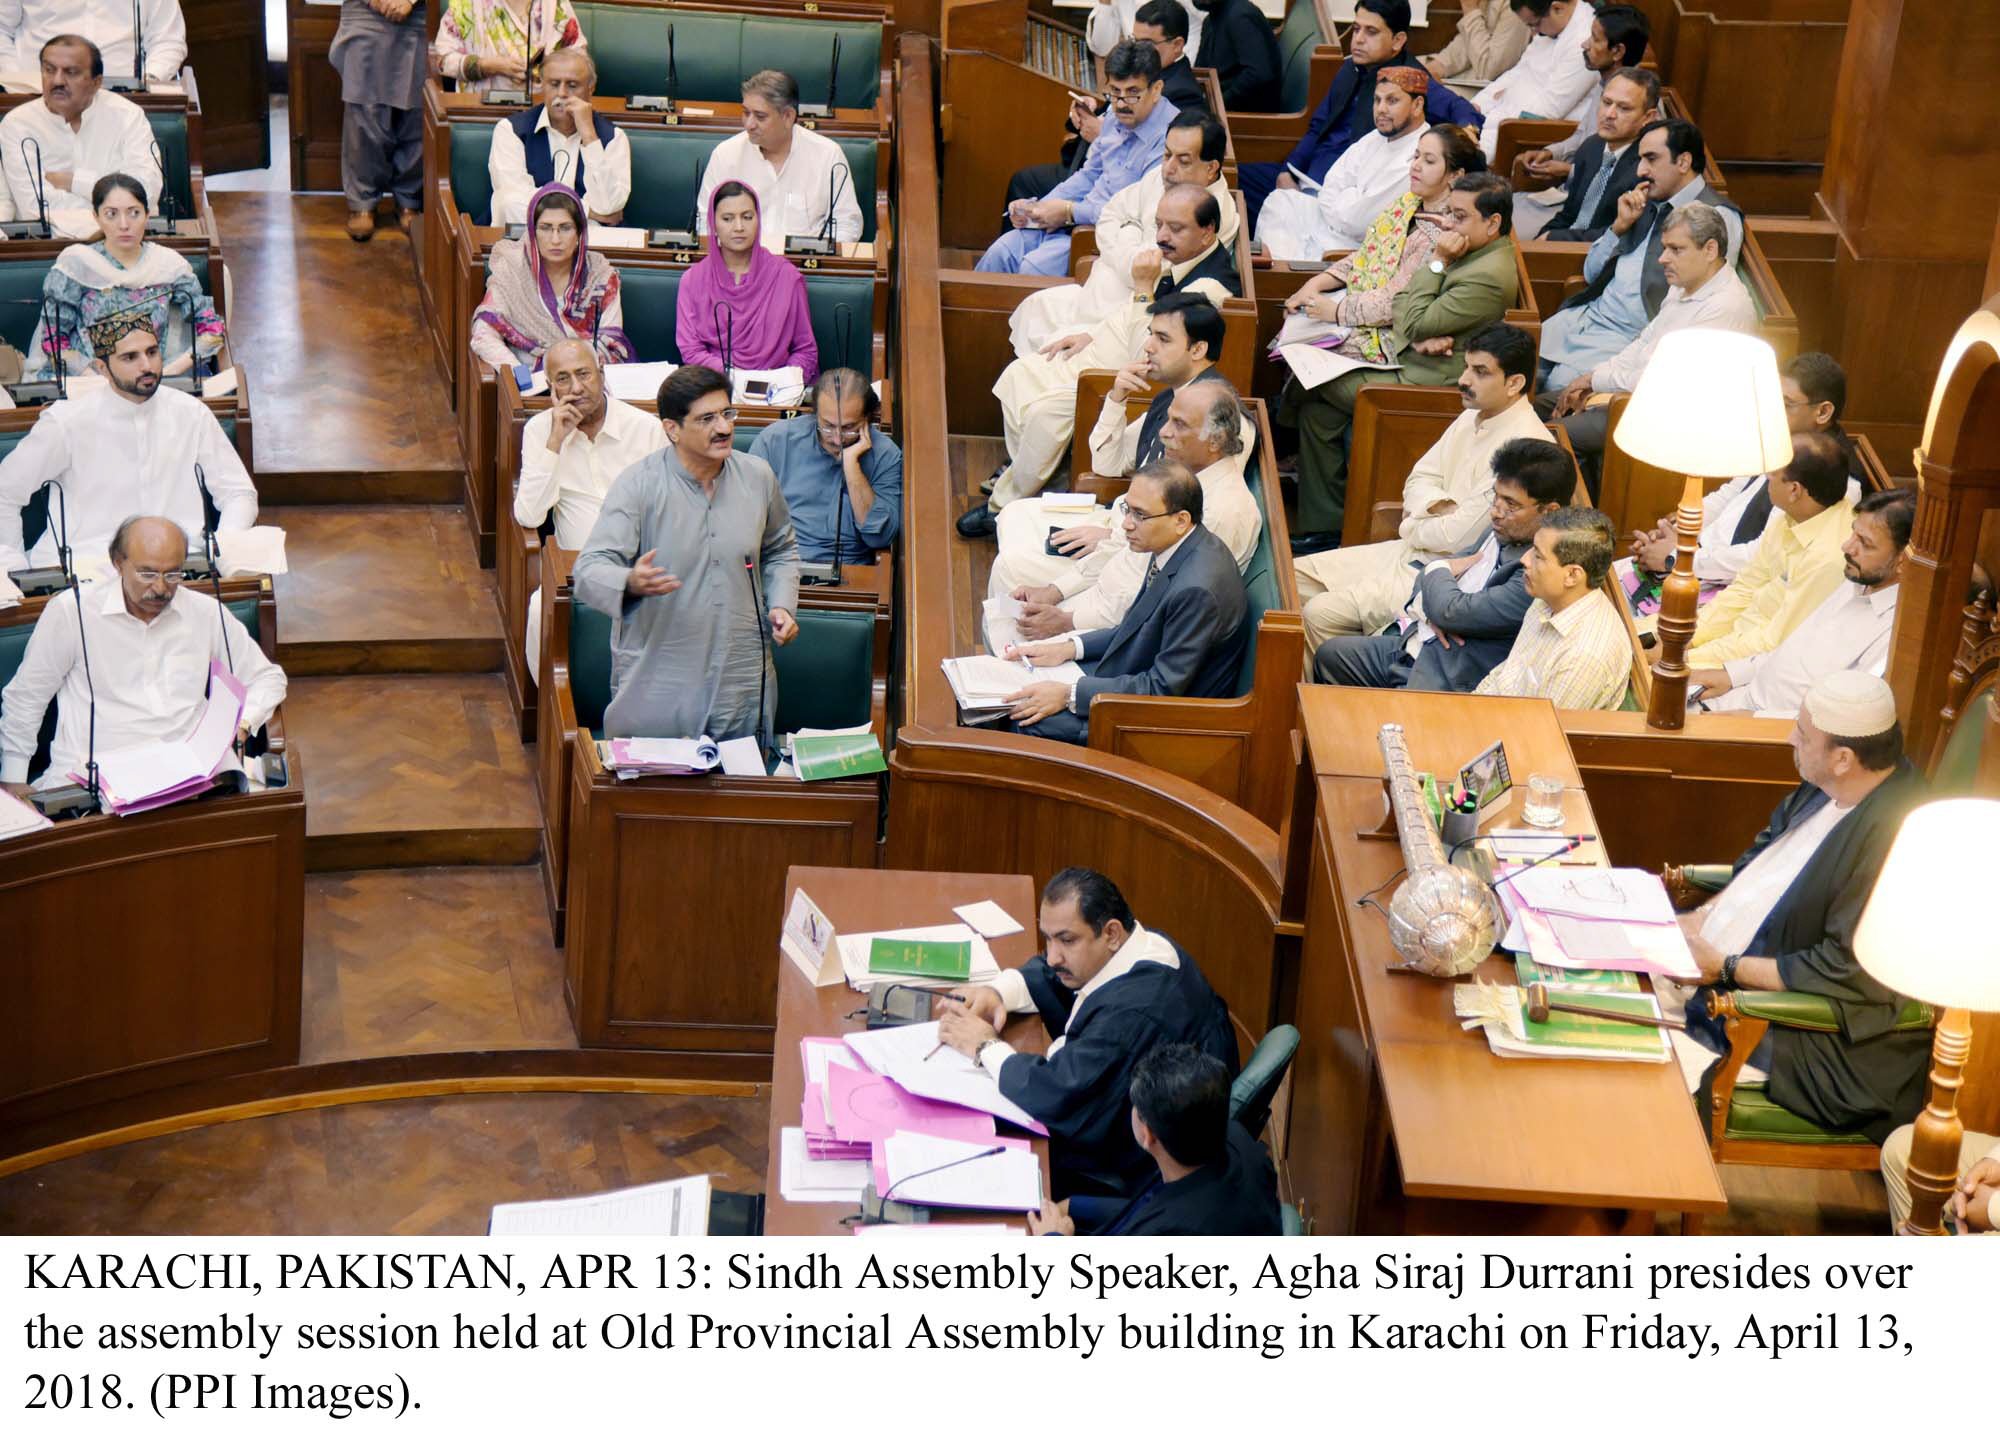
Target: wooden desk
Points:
(878, 899)
(1401, 1121)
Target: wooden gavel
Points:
(1536, 1005)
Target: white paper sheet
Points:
(673, 1209)
(18, 817)
(855, 948)
(804, 1178)
(1314, 366)
(1626, 895)
(252, 549)
(636, 382)
(935, 1172)
(882, 1049)
(988, 919)
(741, 756)
(217, 385)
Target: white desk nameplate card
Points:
(809, 942)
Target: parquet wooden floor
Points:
(429, 961)
(433, 1165)
(412, 770)
(375, 588)
(342, 380)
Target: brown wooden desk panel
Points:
(1459, 1122)
(878, 899)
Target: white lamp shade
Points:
(1928, 932)
(1708, 405)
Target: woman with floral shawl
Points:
(547, 286)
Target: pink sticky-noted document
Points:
(160, 772)
(867, 1108)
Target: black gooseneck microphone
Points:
(213, 548)
(839, 516)
(673, 75)
(725, 334)
(1557, 853)
(764, 666)
(832, 75)
(163, 222)
(822, 242)
(82, 644)
(669, 103)
(889, 1193)
(41, 185)
(52, 321)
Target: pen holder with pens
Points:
(1457, 827)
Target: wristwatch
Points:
(1729, 970)
(1437, 265)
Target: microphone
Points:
(843, 330)
(825, 111)
(889, 1193)
(667, 104)
(823, 241)
(35, 227)
(163, 222)
(1571, 843)
(138, 50)
(687, 237)
(725, 334)
(673, 74)
(764, 647)
(210, 514)
(839, 517)
(82, 645)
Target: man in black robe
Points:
(1786, 920)
(1109, 991)
(1213, 1180)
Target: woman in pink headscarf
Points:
(547, 286)
(742, 302)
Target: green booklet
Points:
(1578, 1034)
(1618, 981)
(829, 757)
(921, 958)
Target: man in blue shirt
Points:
(1346, 113)
(835, 467)
(1125, 149)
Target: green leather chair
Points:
(825, 678)
(713, 52)
(21, 282)
(1260, 582)
(1297, 39)
(1957, 767)
(842, 308)
(14, 646)
(170, 132)
(1251, 1094)
(667, 165)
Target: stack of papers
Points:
(803, 1178)
(868, 1108)
(999, 1175)
(635, 756)
(821, 1055)
(633, 382)
(160, 772)
(1575, 918)
(18, 817)
(987, 683)
(857, 956)
(674, 1209)
(911, 1058)
(1496, 1008)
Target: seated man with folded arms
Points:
(1489, 39)
(1196, 142)
(562, 140)
(1208, 432)
(1213, 1179)
(1471, 281)
(1109, 991)
(83, 132)
(1849, 631)
(1975, 1206)
(1352, 590)
(1603, 167)
(1037, 239)
(570, 456)
(799, 175)
(842, 476)
(129, 446)
(148, 643)
(1466, 610)
(1798, 563)
(1368, 178)
(1573, 650)
(1182, 635)
(1734, 515)
(1786, 922)
(1038, 394)
(1703, 292)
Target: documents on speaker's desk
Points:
(18, 817)
(987, 919)
(674, 1209)
(945, 1172)
(912, 1057)
(803, 1178)
(855, 951)
(1497, 1009)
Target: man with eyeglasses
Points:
(841, 476)
(1038, 238)
(150, 641)
(130, 445)
(691, 554)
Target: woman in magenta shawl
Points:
(546, 286)
(743, 297)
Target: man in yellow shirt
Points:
(1798, 562)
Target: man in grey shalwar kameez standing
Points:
(380, 50)
(671, 560)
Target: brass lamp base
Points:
(1934, 1142)
(1680, 603)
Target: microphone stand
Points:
(136, 82)
(825, 111)
(36, 227)
(213, 548)
(665, 105)
(878, 1209)
(764, 743)
(687, 237)
(821, 244)
(91, 783)
(162, 222)
(840, 514)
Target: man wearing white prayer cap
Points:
(1786, 922)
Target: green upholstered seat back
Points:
(1251, 1094)
(666, 173)
(14, 645)
(647, 296)
(471, 190)
(170, 132)
(1959, 767)
(826, 677)
(1260, 581)
(714, 52)
(21, 283)
(1296, 41)
(35, 514)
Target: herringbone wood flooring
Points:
(429, 961)
(384, 573)
(331, 334)
(432, 1165)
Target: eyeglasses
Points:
(1128, 95)
(564, 230)
(710, 419)
(826, 430)
(171, 578)
(1134, 514)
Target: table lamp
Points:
(1927, 935)
(1709, 407)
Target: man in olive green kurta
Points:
(1471, 282)
(671, 559)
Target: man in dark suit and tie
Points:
(1604, 166)
(1466, 611)
(1183, 635)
